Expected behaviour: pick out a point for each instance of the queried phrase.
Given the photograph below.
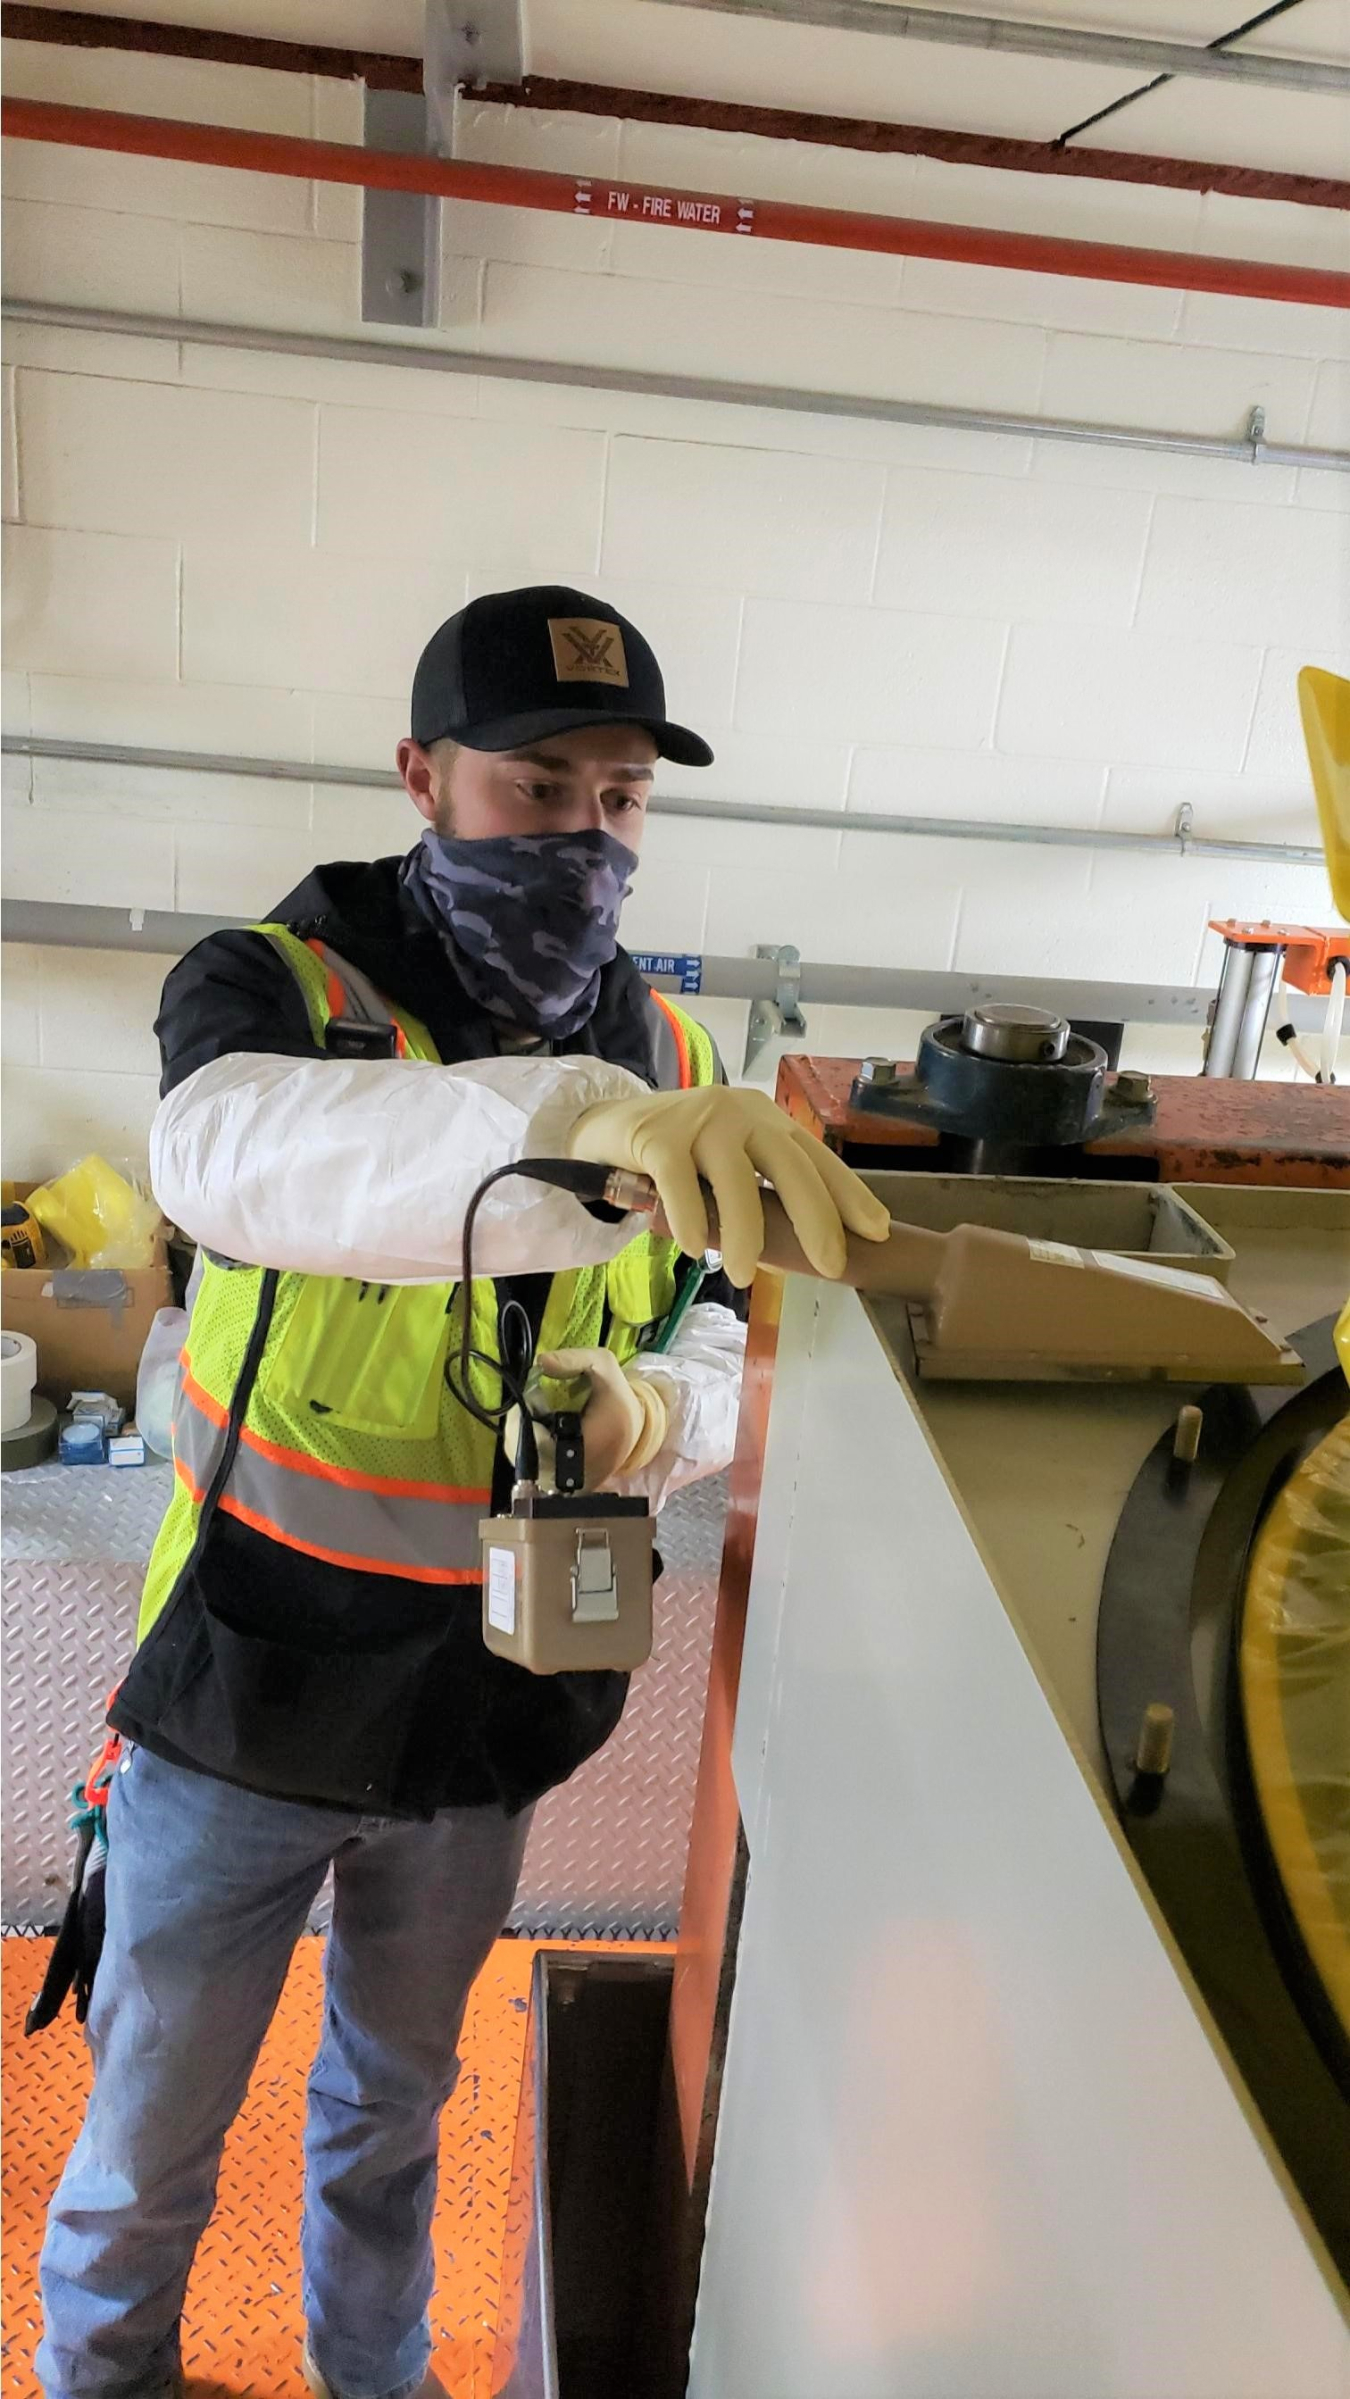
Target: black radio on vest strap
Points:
(355, 1037)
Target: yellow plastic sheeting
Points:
(1324, 703)
(1295, 1675)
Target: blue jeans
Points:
(208, 1890)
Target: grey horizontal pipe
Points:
(975, 828)
(741, 812)
(1251, 449)
(165, 932)
(74, 925)
(1126, 51)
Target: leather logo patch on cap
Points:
(587, 650)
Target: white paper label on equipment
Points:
(1055, 1253)
(502, 1589)
(1172, 1278)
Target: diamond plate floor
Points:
(243, 2326)
(607, 1850)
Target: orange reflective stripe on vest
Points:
(679, 1037)
(301, 1461)
(348, 994)
(378, 1523)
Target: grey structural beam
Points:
(400, 231)
(165, 932)
(1181, 843)
(1247, 448)
(1126, 52)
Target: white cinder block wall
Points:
(242, 552)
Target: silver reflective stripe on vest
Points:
(665, 1048)
(428, 1536)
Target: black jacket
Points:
(250, 1618)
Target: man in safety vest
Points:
(311, 1688)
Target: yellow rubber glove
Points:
(728, 1139)
(623, 1423)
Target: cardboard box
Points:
(90, 1324)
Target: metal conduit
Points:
(1012, 36)
(1251, 449)
(1182, 844)
(707, 213)
(392, 71)
(401, 71)
(166, 932)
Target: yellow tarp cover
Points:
(1295, 1676)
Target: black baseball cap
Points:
(516, 666)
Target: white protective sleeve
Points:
(699, 1378)
(365, 1167)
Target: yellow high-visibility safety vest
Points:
(351, 1447)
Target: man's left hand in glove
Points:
(623, 1425)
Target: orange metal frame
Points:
(1310, 951)
(695, 2018)
(1291, 1134)
(702, 212)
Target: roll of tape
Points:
(34, 1441)
(18, 1373)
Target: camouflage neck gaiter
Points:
(533, 918)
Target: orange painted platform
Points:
(243, 2326)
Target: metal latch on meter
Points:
(595, 1581)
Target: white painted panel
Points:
(895, 675)
(98, 1008)
(12, 508)
(292, 281)
(88, 258)
(19, 1017)
(55, 1115)
(520, 495)
(126, 457)
(907, 781)
(71, 857)
(1237, 577)
(1024, 549)
(769, 522)
(90, 603)
(1143, 699)
(757, 337)
(975, 2140)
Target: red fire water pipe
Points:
(646, 204)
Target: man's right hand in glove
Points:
(728, 1140)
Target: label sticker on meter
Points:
(502, 1589)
